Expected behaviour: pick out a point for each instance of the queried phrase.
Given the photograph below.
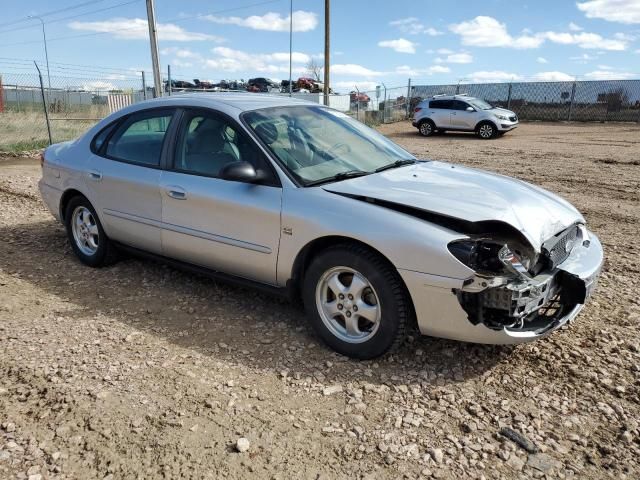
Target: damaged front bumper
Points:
(490, 310)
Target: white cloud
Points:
(609, 75)
(444, 51)
(493, 76)
(413, 26)
(542, 60)
(98, 86)
(400, 45)
(138, 29)
(575, 28)
(179, 52)
(456, 58)
(354, 70)
(584, 58)
(622, 11)
(274, 22)
(586, 40)
(230, 60)
(553, 77)
(485, 31)
(406, 70)
(350, 85)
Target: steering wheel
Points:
(337, 147)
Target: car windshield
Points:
(317, 144)
(479, 104)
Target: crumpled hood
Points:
(468, 194)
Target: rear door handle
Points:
(176, 192)
(95, 175)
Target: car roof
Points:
(242, 101)
(458, 96)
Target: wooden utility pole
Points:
(326, 51)
(153, 38)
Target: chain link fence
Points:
(73, 104)
(587, 101)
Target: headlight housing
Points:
(501, 117)
(494, 257)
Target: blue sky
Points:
(372, 41)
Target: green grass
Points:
(23, 146)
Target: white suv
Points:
(463, 113)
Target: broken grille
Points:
(561, 246)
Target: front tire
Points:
(86, 235)
(486, 130)
(356, 301)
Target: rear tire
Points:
(486, 130)
(426, 128)
(356, 301)
(86, 235)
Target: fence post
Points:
(169, 79)
(573, 95)
(384, 109)
(144, 86)
(509, 97)
(44, 104)
(408, 98)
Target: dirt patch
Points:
(139, 370)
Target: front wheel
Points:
(486, 130)
(356, 301)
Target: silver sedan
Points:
(302, 200)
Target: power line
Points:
(174, 20)
(52, 12)
(72, 16)
(97, 68)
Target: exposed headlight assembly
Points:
(492, 256)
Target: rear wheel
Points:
(426, 128)
(356, 301)
(86, 235)
(486, 130)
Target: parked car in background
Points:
(462, 113)
(262, 84)
(305, 201)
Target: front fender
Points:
(407, 242)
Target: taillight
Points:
(417, 109)
(41, 159)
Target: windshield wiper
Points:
(396, 164)
(338, 176)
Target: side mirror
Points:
(241, 172)
(470, 109)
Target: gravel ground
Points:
(142, 371)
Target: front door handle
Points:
(176, 192)
(95, 175)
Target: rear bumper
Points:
(51, 197)
(440, 314)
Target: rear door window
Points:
(442, 104)
(140, 137)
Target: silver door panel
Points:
(129, 203)
(228, 226)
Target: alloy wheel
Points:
(348, 304)
(85, 230)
